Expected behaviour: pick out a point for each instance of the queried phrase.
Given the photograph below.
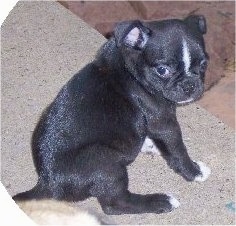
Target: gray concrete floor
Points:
(43, 45)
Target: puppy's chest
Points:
(155, 113)
(153, 119)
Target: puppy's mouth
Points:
(185, 92)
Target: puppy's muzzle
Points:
(188, 87)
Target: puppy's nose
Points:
(188, 87)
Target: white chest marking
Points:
(149, 147)
(186, 57)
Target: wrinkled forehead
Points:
(171, 41)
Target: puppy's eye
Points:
(162, 71)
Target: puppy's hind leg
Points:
(112, 192)
(129, 203)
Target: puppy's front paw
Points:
(205, 172)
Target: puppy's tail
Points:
(37, 192)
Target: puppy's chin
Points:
(184, 102)
(180, 98)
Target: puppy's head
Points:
(166, 56)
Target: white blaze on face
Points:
(186, 57)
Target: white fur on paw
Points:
(173, 201)
(149, 147)
(206, 171)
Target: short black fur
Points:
(98, 122)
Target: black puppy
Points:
(98, 122)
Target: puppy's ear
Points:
(131, 34)
(198, 21)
